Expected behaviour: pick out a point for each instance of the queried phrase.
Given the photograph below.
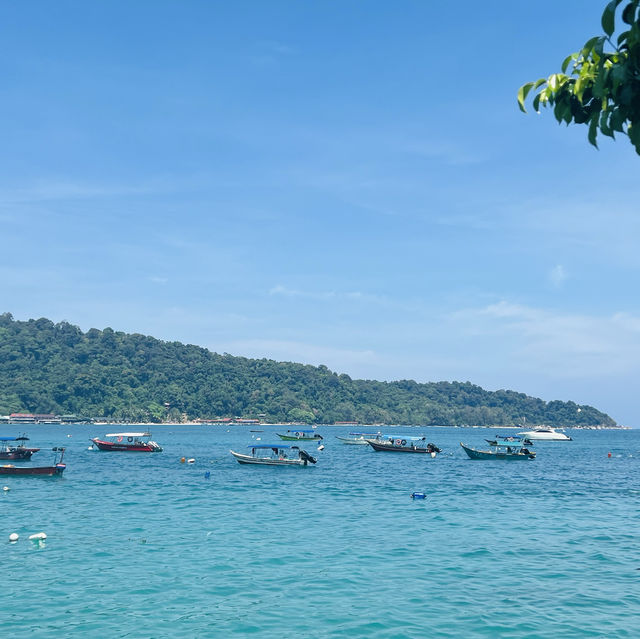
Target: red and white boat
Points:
(128, 443)
(17, 450)
(47, 471)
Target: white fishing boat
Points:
(359, 438)
(275, 455)
(545, 433)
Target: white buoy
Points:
(6, 489)
(321, 447)
(13, 537)
(38, 536)
(191, 461)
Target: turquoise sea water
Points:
(140, 545)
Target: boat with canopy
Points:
(57, 468)
(16, 451)
(403, 444)
(501, 450)
(275, 455)
(300, 435)
(128, 443)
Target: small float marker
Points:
(207, 475)
(418, 496)
(38, 536)
(13, 537)
(609, 455)
(191, 461)
(321, 447)
(6, 489)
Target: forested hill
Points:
(57, 368)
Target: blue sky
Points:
(347, 183)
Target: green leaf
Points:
(634, 135)
(629, 12)
(566, 62)
(604, 124)
(617, 120)
(608, 17)
(536, 103)
(523, 92)
(593, 130)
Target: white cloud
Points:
(557, 275)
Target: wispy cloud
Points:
(325, 295)
(561, 345)
(557, 275)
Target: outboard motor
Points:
(432, 448)
(304, 455)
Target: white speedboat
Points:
(545, 434)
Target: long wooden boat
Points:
(300, 435)
(508, 451)
(128, 443)
(404, 444)
(17, 451)
(275, 455)
(44, 471)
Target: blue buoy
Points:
(207, 475)
(418, 496)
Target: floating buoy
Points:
(418, 496)
(191, 461)
(13, 537)
(258, 439)
(207, 475)
(321, 447)
(182, 460)
(6, 489)
(38, 536)
(609, 455)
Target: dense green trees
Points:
(603, 87)
(47, 367)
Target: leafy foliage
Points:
(56, 368)
(603, 87)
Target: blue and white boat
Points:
(275, 455)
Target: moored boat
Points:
(403, 444)
(17, 451)
(509, 439)
(359, 438)
(128, 443)
(508, 451)
(44, 471)
(545, 434)
(300, 435)
(275, 455)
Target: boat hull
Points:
(488, 454)
(24, 453)
(293, 438)
(42, 471)
(121, 447)
(267, 461)
(392, 448)
(358, 441)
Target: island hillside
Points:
(58, 368)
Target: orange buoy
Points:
(609, 455)
(182, 460)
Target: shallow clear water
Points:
(140, 545)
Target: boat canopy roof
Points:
(300, 430)
(271, 446)
(10, 439)
(128, 435)
(407, 437)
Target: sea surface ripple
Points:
(145, 546)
